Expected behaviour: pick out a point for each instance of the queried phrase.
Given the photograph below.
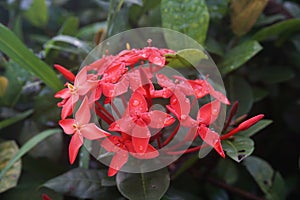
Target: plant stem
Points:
(232, 189)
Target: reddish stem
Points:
(171, 136)
(232, 112)
(103, 116)
(190, 150)
(104, 111)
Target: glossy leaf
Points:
(228, 171)
(217, 8)
(239, 55)
(8, 150)
(238, 148)
(240, 90)
(186, 58)
(255, 128)
(190, 17)
(37, 14)
(143, 186)
(269, 181)
(70, 27)
(285, 27)
(17, 51)
(12, 120)
(81, 183)
(244, 14)
(275, 74)
(27, 147)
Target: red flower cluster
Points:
(133, 72)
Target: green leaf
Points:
(27, 147)
(255, 128)
(8, 150)
(174, 194)
(17, 51)
(12, 120)
(227, 170)
(186, 58)
(239, 55)
(287, 28)
(238, 89)
(80, 45)
(37, 14)
(244, 14)
(269, 181)
(190, 17)
(217, 8)
(81, 183)
(238, 148)
(143, 186)
(138, 2)
(70, 27)
(275, 74)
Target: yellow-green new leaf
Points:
(8, 150)
(244, 14)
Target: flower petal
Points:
(140, 138)
(66, 73)
(117, 162)
(137, 103)
(64, 93)
(211, 138)
(164, 81)
(67, 125)
(83, 114)
(209, 112)
(74, 146)
(81, 77)
(150, 153)
(160, 119)
(92, 132)
(180, 105)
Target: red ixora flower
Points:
(130, 76)
(81, 128)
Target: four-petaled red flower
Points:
(81, 128)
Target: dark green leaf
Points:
(7, 151)
(269, 181)
(37, 14)
(238, 89)
(275, 74)
(17, 51)
(239, 55)
(174, 194)
(190, 17)
(287, 27)
(143, 186)
(255, 128)
(27, 147)
(259, 93)
(238, 148)
(81, 183)
(12, 120)
(217, 8)
(227, 171)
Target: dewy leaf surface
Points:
(143, 186)
(239, 55)
(190, 17)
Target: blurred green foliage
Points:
(255, 44)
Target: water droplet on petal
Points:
(135, 103)
(183, 117)
(215, 111)
(169, 120)
(141, 148)
(187, 100)
(174, 101)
